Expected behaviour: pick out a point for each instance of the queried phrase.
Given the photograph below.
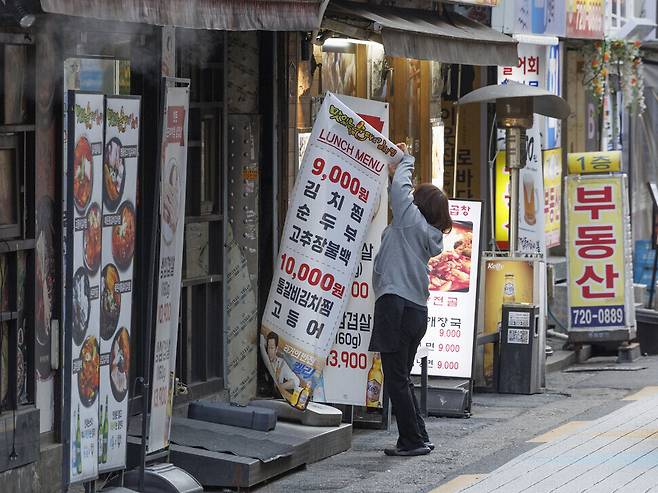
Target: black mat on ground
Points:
(218, 441)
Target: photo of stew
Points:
(450, 271)
(123, 237)
(92, 238)
(81, 305)
(114, 173)
(110, 301)
(83, 177)
(89, 375)
(120, 364)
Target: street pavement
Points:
(589, 431)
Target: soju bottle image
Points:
(105, 432)
(78, 444)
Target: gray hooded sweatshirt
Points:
(407, 243)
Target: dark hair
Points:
(273, 336)
(433, 205)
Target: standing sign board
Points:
(336, 195)
(452, 304)
(552, 196)
(84, 190)
(600, 296)
(532, 238)
(173, 174)
(345, 378)
(122, 119)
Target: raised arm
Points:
(401, 192)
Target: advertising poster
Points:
(552, 129)
(505, 281)
(120, 158)
(531, 199)
(585, 19)
(598, 253)
(83, 279)
(173, 166)
(552, 196)
(453, 295)
(342, 381)
(336, 195)
(543, 17)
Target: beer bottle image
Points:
(509, 289)
(304, 397)
(78, 444)
(375, 382)
(105, 432)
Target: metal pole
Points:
(454, 172)
(514, 161)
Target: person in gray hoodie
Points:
(421, 216)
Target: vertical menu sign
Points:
(345, 378)
(335, 198)
(453, 297)
(120, 158)
(173, 169)
(83, 278)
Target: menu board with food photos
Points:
(120, 157)
(453, 295)
(83, 277)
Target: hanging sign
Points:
(173, 174)
(352, 374)
(598, 253)
(83, 278)
(585, 19)
(594, 162)
(120, 157)
(552, 196)
(337, 192)
(453, 295)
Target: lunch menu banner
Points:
(338, 189)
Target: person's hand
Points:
(402, 146)
(391, 169)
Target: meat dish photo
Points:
(123, 237)
(110, 302)
(120, 364)
(89, 375)
(170, 203)
(451, 269)
(114, 173)
(83, 174)
(92, 238)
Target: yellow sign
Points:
(502, 201)
(552, 196)
(594, 162)
(595, 252)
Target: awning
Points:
(230, 15)
(423, 35)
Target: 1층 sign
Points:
(335, 197)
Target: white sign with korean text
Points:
(173, 163)
(345, 378)
(336, 195)
(120, 158)
(453, 295)
(83, 277)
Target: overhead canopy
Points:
(423, 35)
(230, 15)
(544, 102)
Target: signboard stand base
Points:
(447, 397)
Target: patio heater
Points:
(515, 105)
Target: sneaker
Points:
(398, 452)
(429, 445)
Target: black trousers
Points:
(399, 326)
